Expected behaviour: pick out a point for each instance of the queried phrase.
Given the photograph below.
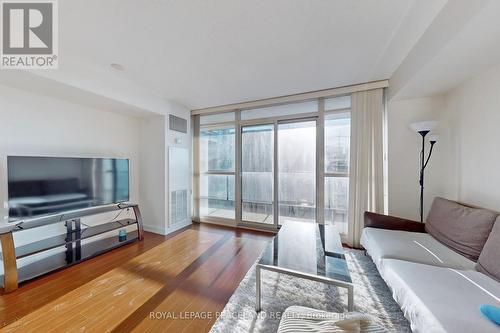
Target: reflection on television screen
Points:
(50, 185)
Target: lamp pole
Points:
(423, 165)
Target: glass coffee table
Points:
(309, 251)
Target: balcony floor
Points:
(268, 218)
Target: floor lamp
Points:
(423, 128)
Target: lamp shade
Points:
(433, 138)
(423, 126)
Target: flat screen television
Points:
(51, 185)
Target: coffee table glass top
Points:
(309, 248)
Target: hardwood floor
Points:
(177, 283)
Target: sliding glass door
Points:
(261, 167)
(217, 172)
(297, 171)
(257, 170)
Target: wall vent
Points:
(178, 207)
(177, 123)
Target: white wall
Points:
(37, 125)
(155, 140)
(466, 164)
(152, 188)
(182, 140)
(403, 156)
(32, 124)
(474, 111)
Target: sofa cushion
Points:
(463, 229)
(437, 299)
(412, 246)
(489, 259)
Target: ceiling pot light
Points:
(118, 67)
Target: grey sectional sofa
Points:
(439, 272)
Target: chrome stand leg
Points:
(350, 298)
(257, 288)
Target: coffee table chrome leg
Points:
(257, 288)
(350, 298)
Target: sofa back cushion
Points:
(463, 229)
(489, 259)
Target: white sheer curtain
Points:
(366, 184)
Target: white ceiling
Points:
(469, 43)
(205, 53)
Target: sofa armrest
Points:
(375, 220)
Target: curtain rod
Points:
(294, 98)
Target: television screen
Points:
(50, 185)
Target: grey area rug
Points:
(279, 291)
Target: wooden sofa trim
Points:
(374, 220)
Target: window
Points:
(337, 149)
(281, 110)
(217, 118)
(273, 149)
(338, 103)
(217, 169)
(257, 155)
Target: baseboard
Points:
(228, 223)
(177, 227)
(156, 230)
(223, 222)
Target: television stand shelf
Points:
(76, 242)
